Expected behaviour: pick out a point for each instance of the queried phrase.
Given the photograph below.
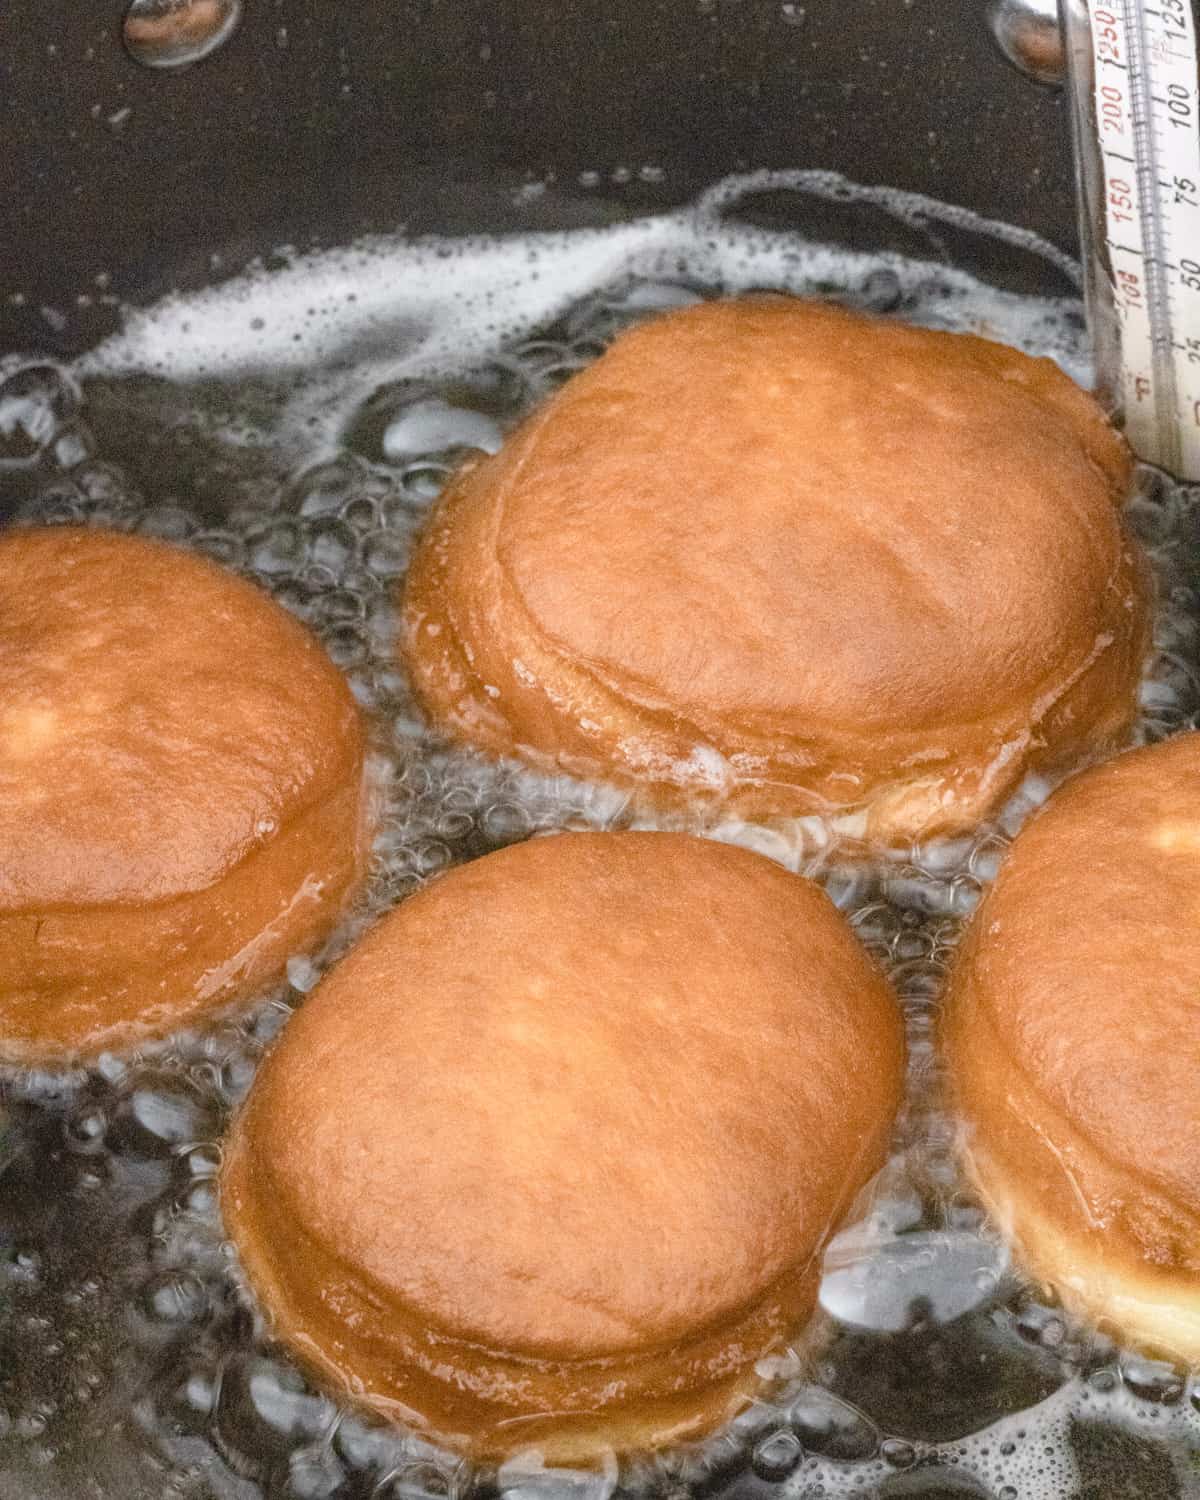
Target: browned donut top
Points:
(1086, 965)
(583, 1096)
(758, 505)
(159, 718)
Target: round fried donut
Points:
(791, 560)
(1072, 1038)
(181, 790)
(550, 1158)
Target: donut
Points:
(783, 559)
(1071, 1038)
(549, 1159)
(181, 791)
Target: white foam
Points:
(337, 325)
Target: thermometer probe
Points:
(1131, 69)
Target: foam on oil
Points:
(295, 425)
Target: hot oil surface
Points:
(295, 425)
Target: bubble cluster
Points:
(294, 427)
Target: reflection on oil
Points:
(176, 33)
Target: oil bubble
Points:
(331, 544)
(1154, 1380)
(260, 1409)
(24, 1266)
(221, 547)
(171, 523)
(175, 1299)
(776, 1456)
(83, 1133)
(424, 481)
(177, 33)
(833, 1428)
(276, 548)
(314, 1473)
(73, 446)
(38, 402)
(169, 1114)
(876, 1283)
(386, 554)
(435, 427)
(327, 489)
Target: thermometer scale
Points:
(1133, 74)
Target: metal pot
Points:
(313, 124)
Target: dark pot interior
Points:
(321, 122)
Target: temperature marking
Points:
(1147, 113)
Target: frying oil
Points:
(294, 425)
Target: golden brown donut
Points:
(550, 1158)
(1072, 1039)
(181, 790)
(792, 560)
